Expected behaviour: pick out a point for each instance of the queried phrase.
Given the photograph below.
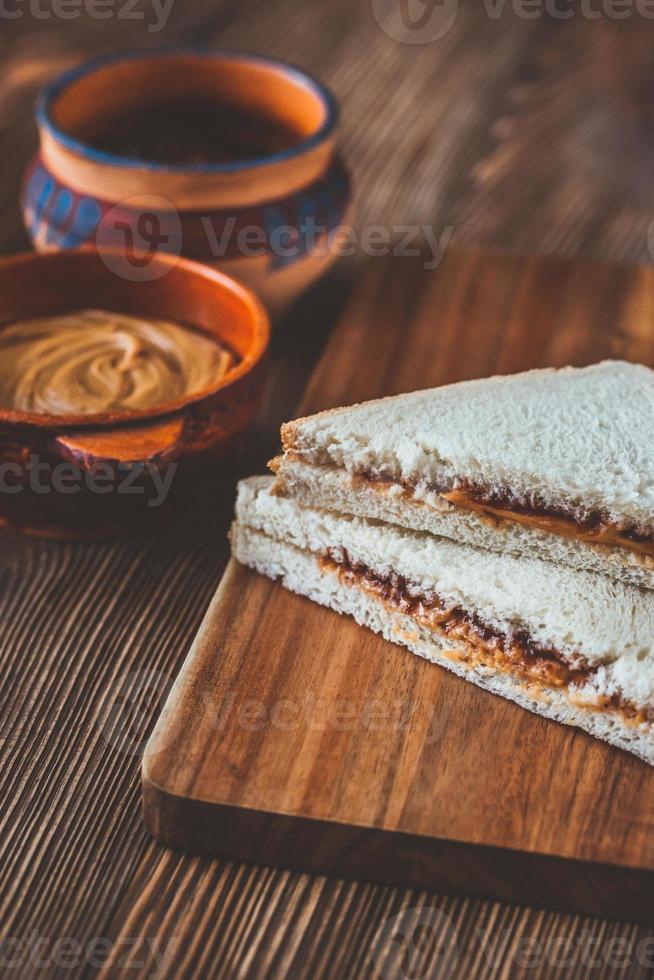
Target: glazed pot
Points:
(269, 220)
(100, 475)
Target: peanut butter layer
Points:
(594, 528)
(481, 644)
(597, 529)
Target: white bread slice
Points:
(331, 488)
(576, 438)
(590, 620)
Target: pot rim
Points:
(51, 92)
(255, 354)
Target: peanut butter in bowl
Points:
(93, 361)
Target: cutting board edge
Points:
(324, 847)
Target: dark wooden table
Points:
(523, 134)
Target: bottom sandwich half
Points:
(573, 646)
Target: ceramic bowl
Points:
(99, 475)
(269, 220)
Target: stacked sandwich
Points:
(501, 528)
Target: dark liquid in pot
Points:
(194, 133)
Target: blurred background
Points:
(523, 126)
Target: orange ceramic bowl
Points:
(99, 475)
(268, 213)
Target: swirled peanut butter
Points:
(93, 361)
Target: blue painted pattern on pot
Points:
(286, 230)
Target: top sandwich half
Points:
(554, 462)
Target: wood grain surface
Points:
(518, 134)
(294, 737)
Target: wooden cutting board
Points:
(294, 737)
